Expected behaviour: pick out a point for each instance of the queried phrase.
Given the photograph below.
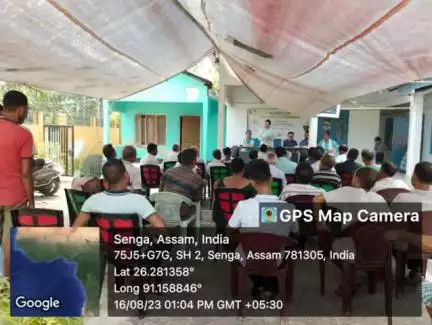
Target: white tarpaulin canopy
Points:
(297, 55)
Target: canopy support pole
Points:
(414, 133)
(313, 131)
(106, 122)
(221, 114)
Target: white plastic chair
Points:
(168, 205)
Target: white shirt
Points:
(349, 195)
(277, 173)
(214, 163)
(341, 158)
(262, 155)
(134, 175)
(299, 189)
(247, 214)
(170, 156)
(149, 160)
(416, 196)
(387, 183)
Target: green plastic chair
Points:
(217, 173)
(75, 200)
(325, 186)
(169, 164)
(276, 186)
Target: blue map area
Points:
(46, 288)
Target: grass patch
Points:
(85, 255)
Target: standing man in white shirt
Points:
(266, 136)
(150, 159)
(386, 180)
(129, 159)
(275, 172)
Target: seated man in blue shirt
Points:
(290, 142)
(284, 163)
(117, 199)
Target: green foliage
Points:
(6, 319)
(78, 109)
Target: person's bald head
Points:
(129, 154)
(272, 158)
(114, 173)
(327, 162)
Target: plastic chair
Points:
(306, 229)
(226, 200)
(325, 186)
(217, 173)
(37, 218)
(150, 177)
(290, 178)
(276, 186)
(346, 178)
(168, 204)
(390, 193)
(373, 255)
(110, 225)
(75, 200)
(262, 243)
(169, 164)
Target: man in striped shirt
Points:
(326, 173)
(183, 180)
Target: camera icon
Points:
(268, 214)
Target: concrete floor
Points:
(59, 202)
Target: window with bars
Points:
(150, 129)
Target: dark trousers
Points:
(379, 158)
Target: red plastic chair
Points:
(290, 178)
(346, 178)
(110, 225)
(150, 177)
(373, 255)
(37, 218)
(226, 200)
(262, 243)
(390, 193)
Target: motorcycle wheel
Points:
(51, 189)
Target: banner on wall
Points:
(282, 123)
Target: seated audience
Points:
(386, 180)
(129, 159)
(172, 155)
(117, 199)
(327, 173)
(262, 154)
(305, 141)
(368, 160)
(317, 155)
(421, 180)
(253, 154)
(150, 159)
(275, 172)
(246, 218)
(350, 165)
(184, 181)
(310, 155)
(290, 142)
(284, 163)
(227, 155)
(237, 180)
(89, 175)
(217, 160)
(108, 152)
(359, 192)
(342, 157)
(303, 175)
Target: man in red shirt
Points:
(16, 151)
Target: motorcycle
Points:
(46, 177)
